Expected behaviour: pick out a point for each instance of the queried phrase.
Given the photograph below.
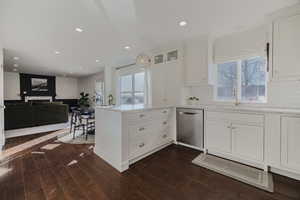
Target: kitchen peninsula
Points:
(127, 134)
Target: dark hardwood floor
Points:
(166, 175)
(12, 142)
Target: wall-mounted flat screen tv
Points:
(39, 84)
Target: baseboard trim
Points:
(35, 130)
(286, 173)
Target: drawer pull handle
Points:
(165, 111)
(142, 115)
(229, 127)
(141, 145)
(233, 127)
(141, 129)
(164, 123)
(164, 136)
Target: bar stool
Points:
(77, 122)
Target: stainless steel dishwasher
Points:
(190, 127)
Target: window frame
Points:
(237, 98)
(132, 71)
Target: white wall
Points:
(11, 86)
(87, 84)
(66, 88)
(280, 94)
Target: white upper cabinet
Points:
(286, 48)
(166, 78)
(290, 140)
(196, 62)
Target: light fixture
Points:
(16, 65)
(182, 23)
(97, 61)
(56, 52)
(127, 47)
(79, 30)
(16, 58)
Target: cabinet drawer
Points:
(163, 113)
(163, 137)
(139, 116)
(143, 129)
(235, 117)
(138, 146)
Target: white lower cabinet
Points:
(236, 136)
(218, 137)
(146, 135)
(248, 142)
(290, 143)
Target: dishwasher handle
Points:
(187, 113)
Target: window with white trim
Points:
(133, 88)
(242, 81)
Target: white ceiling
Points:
(34, 29)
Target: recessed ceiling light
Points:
(56, 52)
(16, 58)
(127, 47)
(182, 23)
(15, 70)
(79, 30)
(16, 65)
(97, 60)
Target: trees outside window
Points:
(244, 80)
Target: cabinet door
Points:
(290, 143)
(196, 65)
(158, 84)
(218, 136)
(286, 48)
(173, 82)
(247, 142)
(167, 83)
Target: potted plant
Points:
(84, 101)
(193, 101)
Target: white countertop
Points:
(129, 108)
(239, 108)
(243, 108)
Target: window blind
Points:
(241, 45)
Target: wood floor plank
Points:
(50, 185)
(165, 175)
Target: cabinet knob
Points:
(141, 145)
(164, 136)
(142, 115)
(165, 112)
(164, 123)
